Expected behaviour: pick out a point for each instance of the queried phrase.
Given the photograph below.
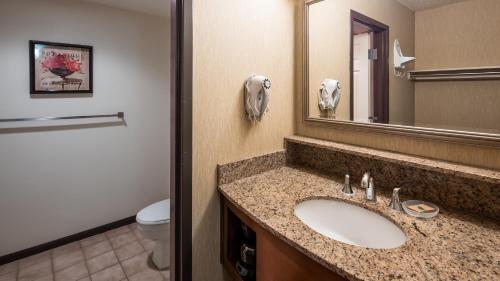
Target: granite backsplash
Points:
(229, 172)
(454, 186)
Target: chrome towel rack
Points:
(120, 115)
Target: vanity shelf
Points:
(232, 239)
(456, 74)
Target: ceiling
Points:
(162, 7)
(153, 7)
(417, 5)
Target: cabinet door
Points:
(278, 261)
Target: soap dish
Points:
(423, 214)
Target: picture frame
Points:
(60, 68)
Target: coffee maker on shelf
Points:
(245, 266)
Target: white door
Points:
(362, 78)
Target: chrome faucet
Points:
(368, 184)
(395, 204)
(347, 189)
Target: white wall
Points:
(55, 183)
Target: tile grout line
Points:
(107, 238)
(120, 262)
(18, 270)
(121, 265)
(145, 250)
(52, 264)
(85, 261)
(68, 251)
(112, 250)
(137, 239)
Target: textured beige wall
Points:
(328, 44)
(329, 54)
(460, 105)
(464, 34)
(232, 40)
(466, 154)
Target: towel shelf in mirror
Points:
(454, 74)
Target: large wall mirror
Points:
(424, 67)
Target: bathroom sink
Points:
(350, 224)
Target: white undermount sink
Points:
(350, 224)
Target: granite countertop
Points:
(451, 246)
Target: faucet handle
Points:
(371, 193)
(347, 189)
(395, 203)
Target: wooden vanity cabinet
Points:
(275, 259)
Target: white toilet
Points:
(154, 223)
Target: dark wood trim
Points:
(34, 92)
(65, 240)
(222, 227)
(380, 69)
(351, 68)
(181, 140)
(377, 25)
(381, 77)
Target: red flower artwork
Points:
(73, 65)
(61, 65)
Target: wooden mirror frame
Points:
(462, 137)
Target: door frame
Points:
(380, 66)
(181, 140)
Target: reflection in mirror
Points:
(404, 62)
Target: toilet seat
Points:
(157, 213)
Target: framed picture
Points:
(58, 68)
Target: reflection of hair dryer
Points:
(399, 60)
(329, 96)
(257, 96)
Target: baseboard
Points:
(65, 240)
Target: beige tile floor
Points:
(119, 254)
